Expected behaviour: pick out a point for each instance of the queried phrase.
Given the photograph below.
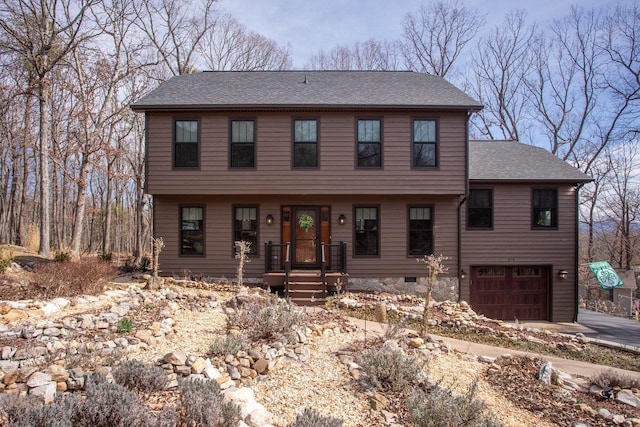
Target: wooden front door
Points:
(305, 227)
(509, 293)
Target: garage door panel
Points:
(510, 293)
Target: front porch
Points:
(306, 286)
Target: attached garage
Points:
(511, 292)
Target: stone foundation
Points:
(446, 288)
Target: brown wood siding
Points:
(219, 260)
(336, 174)
(512, 242)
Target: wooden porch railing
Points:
(278, 260)
(334, 260)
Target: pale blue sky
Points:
(311, 25)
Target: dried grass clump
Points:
(203, 404)
(390, 369)
(614, 379)
(28, 411)
(5, 260)
(111, 405)
(140, 377)
(268, 318)
(85, 277)
(227, 344)
(440, 407)
(312, 418)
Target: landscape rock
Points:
(57, 373)
(47, 392)
(175, 358)
(38, 379)
(627, 397)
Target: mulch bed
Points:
(517, 379)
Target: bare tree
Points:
(175, 30)
(564, 82)
(437, 34)
(42, 33)
(368, 55)
(501, 65)
(229, 45)
(101, 72)
(622, 201)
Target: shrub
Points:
(111, 405)
(613, 379)
(124, 325)
(394, 329)
(168, 417)
(129, 265)
(140, 377)
(203, 405)
(5, 260)
(312, 418)
(439, 407)
(388, 368)
(106, 256)
(30, 412)
(268, 318)
(62, 256)
(87, 276)
(227, 344)
(145, 262)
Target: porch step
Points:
(306, 293)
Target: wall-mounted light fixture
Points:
(563, 274)
(269, 219)
(463, 274)
(342, 219)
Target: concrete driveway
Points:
(605, 327)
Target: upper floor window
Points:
(192, 230)
(425, 138)
(480, 208)
(420, 230)
(366, 231)
(245, 220)
(242, 144)
(369, 143)
(305, 143)
(544, 208)
(186, 144)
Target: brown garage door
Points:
(510, 293)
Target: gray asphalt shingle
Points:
(514, 161)
(224, 89)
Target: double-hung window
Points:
(305, 143)
(242, 144)
(420, 230)
(480, 208)
(192, 230)
(367, 227)
(186, 144)
(425, 143)
(544, 208)
(245, 226)
(369, 140)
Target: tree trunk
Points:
(81, 203)
(106, 241)
(45, 183)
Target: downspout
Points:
(461, 200)
(576, 254)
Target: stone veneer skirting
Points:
(446, 288)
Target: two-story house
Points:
(349, 176)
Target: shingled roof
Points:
(305, 89)
(514, 161)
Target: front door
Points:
(305, 227)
